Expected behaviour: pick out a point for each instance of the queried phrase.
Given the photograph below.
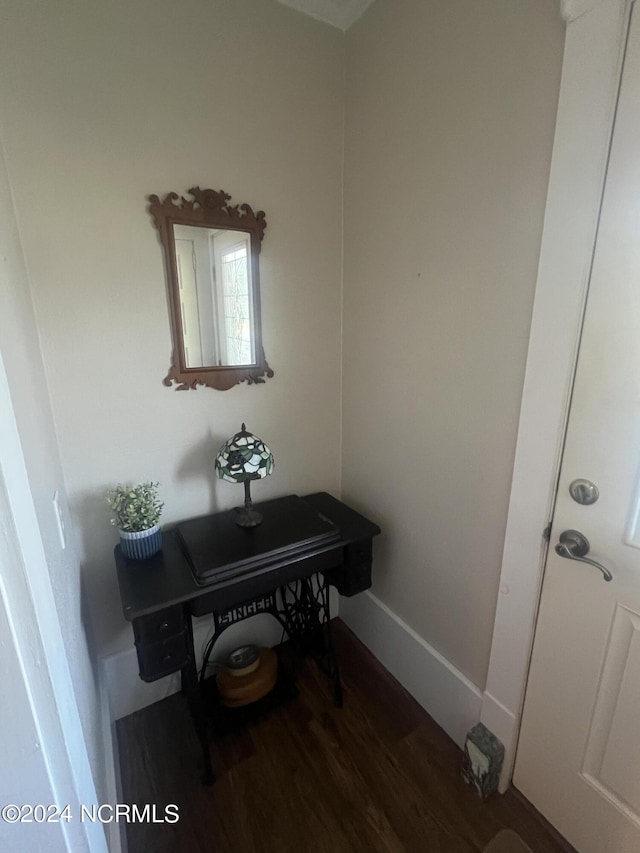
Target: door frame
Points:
(594, 50)
(33, 634)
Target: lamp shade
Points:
(244, 457)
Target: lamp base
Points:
(248, 517)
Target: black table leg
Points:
(334, 672)
(191, 688)
(308, 623)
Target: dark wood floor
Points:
(377, 775)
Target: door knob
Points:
(573, 545)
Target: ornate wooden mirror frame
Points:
(211, 209)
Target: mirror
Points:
(211, 251)
(216, 305)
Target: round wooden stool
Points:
(238, 690)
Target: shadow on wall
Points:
(199, 463)
(88, 627)
(102, 613)
(97, 534)
(97, 539)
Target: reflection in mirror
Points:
(216, 306)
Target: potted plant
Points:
(137, 511)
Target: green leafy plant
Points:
(135, 507)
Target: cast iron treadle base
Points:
(302, 608)
(308, 619)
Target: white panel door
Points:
(578, 757)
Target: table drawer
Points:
(160, 625)
(159, 659)
(354, 575)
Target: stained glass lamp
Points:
(241, 459)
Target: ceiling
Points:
(338, 13)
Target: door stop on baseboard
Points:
(482, 760)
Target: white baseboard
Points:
(444, 692)
(504, 725)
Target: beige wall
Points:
(449, 122)
(450, 107)
(104, 103)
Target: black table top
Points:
(167, 578)
(217, 548)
